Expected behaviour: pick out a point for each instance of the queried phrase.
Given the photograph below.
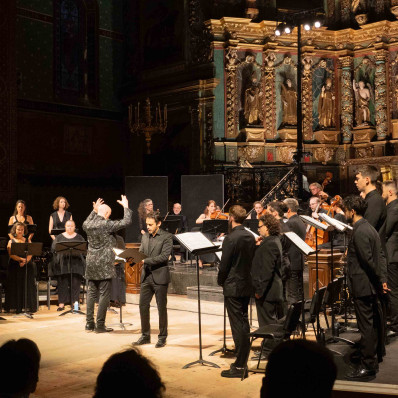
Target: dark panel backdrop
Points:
(196, 191)
(137, 189)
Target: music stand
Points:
(171, 226)
(24, 250)
(125, 255)
(252, 224)
(317, 225)
(57, 231)
(73, 248)
(215, 227)
(198, 244)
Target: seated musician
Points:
(184, 226)
(209, 210)
(316, 190)
(145, 207)
(315, 207)
(20, 216)
(258, 211)
(339, 238)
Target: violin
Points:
(219, 215)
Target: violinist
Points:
(259, 211)
(208, 212)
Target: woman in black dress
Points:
(20, 215)
(59, 267)
(15, 291)
(145, 207)
(60, 215)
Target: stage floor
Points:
(72, 357)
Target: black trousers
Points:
(101, 288)
(148, 289)
(267, 312)
(295, 287)
(392, 283)
(237, 309)
(63, 284)
(368, 319)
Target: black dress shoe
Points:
(391, 333)
(143, 340)
(234, 372)
(61, 309)
(103, 329)
(161, 343)
(361, 374)
(90, 326)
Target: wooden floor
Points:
(72, 357)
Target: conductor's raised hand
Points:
(97, 204)
(124, 202)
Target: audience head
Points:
(237, 214)
(19, 368)
(104, 211)
(300, 369)
(60, 203)
(366, 178)
(125, 371)
(19, 229)
(354, 206)
(292, 206)
(268, 225)
(277, 209)
(153, 221)
(20, 208)
(389, 191)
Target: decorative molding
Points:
(347, 107)
(37, 16)
(111, 34)
(269, 103)
(381, 99)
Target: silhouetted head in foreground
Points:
(128, 371)
(299, 369)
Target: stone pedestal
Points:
(327, 136)
(288, 135)
(363, 134)
(254, 134)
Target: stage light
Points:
(279, 29)
(307, 26)
(317, 24)
(277, 32)
(288, 29)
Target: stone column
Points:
(231, 64)
(347, 107)
(381, 96)
(269, 95)
(308, 134)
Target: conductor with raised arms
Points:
(100, 259)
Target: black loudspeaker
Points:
(196, 191)
(141, 188)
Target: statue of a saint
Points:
(253, 95)
(326, 105)
(362, 99)
(289, 101)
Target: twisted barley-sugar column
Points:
(346, 99)
(381, 94)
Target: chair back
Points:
(292, 318)
(316, 302)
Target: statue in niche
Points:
(289, 101)
(253, 95)
(326, 105)
(362, 98)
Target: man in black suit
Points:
(155, 277)
(389, 231)
(365, 181)
(266, 271)
(234, 276)
(365, 259)
(295, 285)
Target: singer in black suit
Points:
(234, 276)
(155, 277)
(266, 271)
(389, 232)
(365, 260)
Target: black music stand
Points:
(252, 224)
(209, 247)
(215, 227)
(170, 225)
(24, 250)
(71, 248)
(136, 257)
(322, 227)
(57, 231)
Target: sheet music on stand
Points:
(196, 242)
(253, 233)
(299, 243)
(314, 223)
(340, 226)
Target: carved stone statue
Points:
(326, 105)
(362, 99)
(289, 101)
(253, 95)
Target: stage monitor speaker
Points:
(141, 188)
(196, 191)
